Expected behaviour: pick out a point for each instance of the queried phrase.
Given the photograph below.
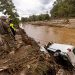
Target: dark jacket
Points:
(3, 27)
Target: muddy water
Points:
(44, 34)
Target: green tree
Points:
(24, 19)
(7, 7)
(63, 8)
(40, 17)
(47, 17)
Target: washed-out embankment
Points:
(55, 23)
(22, 56)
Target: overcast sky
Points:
(30, 7)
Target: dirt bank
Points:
(55, 23)
(22, 56)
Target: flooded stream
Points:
(44, 34)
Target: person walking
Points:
(13, 29)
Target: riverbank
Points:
(55, 23)
(22, 56)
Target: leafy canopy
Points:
(63, 8)
(7, 7)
